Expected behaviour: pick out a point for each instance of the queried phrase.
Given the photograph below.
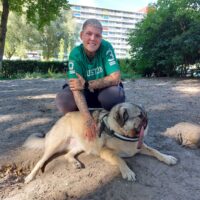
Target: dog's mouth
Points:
(135, 132)
(131, 134)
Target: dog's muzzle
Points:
(139, 131)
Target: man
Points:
(94, 77)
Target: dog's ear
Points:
(121, 116)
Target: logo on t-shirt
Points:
(111, 58)
(71, 67)
(95, 71)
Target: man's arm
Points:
(90, 125)
(81, 103)
(110, 80)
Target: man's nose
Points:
(92, 37)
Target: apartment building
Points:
(116, 24)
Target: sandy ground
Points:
(27, 106)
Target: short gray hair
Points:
(92, 22)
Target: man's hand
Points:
(77, 83)
(91, 130)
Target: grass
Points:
(130, 76)
(53, 75)
(35, 75)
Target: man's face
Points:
(91, 37)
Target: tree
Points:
(61, 50)
(169, 36)
(48, 39)
(39, 12)
(15, 43)
(29, 38)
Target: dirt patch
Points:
(27, 107)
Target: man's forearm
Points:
(81, 103)
(107, 81)
(90, 128)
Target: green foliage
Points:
(169, 36)
(34, 75)
(61, 50)
(126, 65)
(12, 69)
(39, 12)
(15, 43)
(48, 40)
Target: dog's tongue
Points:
(140, 140)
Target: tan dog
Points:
(125, 119)
(187, 134)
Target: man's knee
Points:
(65, 101)
(111, 96)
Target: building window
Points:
(76, 14)
(77, 7)
(104, 33)
(105, 17)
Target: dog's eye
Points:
(125, 116)
(141, 116)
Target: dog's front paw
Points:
(170, 160)
(128, 174)
(77, 165)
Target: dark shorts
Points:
(102, 98)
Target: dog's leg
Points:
(111, 157)
(50, 150)
(37, 167)
(146, 150)
(70, 156)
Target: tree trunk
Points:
(3, 29)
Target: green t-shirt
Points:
(103, 64)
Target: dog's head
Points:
(127, 119)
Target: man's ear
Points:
(81, 34)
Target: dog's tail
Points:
(35, 141)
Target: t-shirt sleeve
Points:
(111, 63)
(74, 66)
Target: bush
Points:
(125, 65)
(10, 68)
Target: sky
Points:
(125, 5)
